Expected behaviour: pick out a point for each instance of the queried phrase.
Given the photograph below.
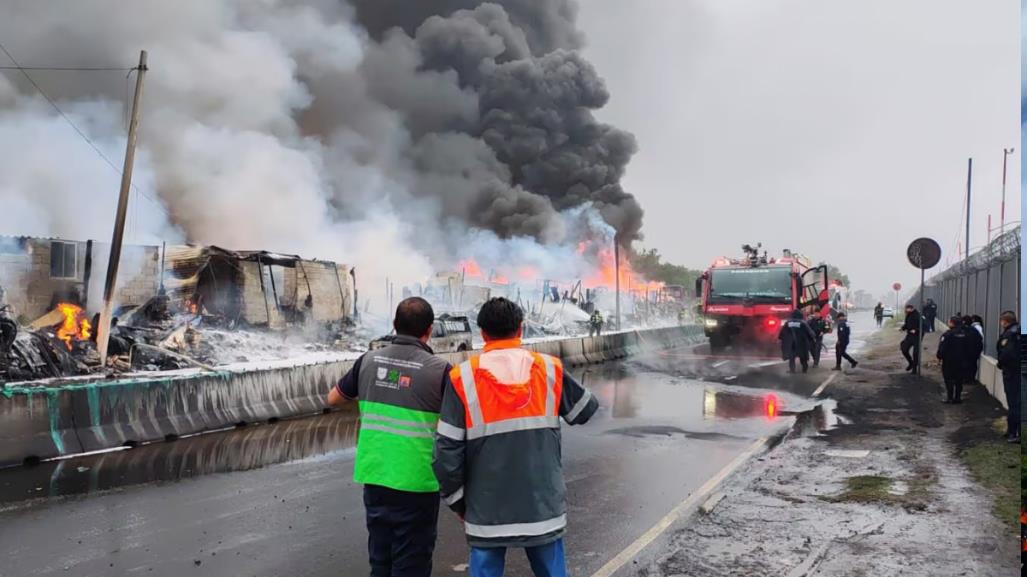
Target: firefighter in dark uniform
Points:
(1009, 364)
(796, 340)
(841, 346)
(954, 354)
(400, 390)
(910, 344)
(819, 327)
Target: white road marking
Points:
(622, 558)
(766, 364)
(823, 386)
(719, 364)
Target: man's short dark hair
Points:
(841, 316)
(956, 321)
(414, 317)
(500, 318)
(977, 319)
(1009, 317)
(910, 307)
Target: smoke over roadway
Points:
(397, 136)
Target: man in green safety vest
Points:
(399, 389)
(595, 323)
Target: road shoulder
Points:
(910, 506)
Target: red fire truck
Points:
(743, 301)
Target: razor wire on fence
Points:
(985, 284)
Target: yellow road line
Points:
(622, 559)
(821, 388)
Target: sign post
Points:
(923, 253)
(896, 287)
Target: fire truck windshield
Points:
(764, 284)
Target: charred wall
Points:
(37, 273)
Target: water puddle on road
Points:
(654, 405)
(240, 449)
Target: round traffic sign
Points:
(896, 287)
(924, 253)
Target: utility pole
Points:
(103, 331)
(1002, 216)
(969, 188)
(616, 274)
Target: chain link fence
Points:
(985, 284)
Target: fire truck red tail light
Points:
(770, 406)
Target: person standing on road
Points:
(974, 350)
(930, 313)
(879, 314)
(796, 340)
(1009, 364)
(954, 352)
(595, 323)
(497, 451)
(910, 344)
(842, 344)
(819, 327)
(400, 389)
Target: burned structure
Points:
(36, 274)
(259, 288)
(195, 306)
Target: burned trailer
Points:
(258, 288)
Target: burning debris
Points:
(213, 307)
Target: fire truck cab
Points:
(743, 301)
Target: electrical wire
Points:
(68, 68)
(24, 72)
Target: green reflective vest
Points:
(400, 396)
(394, 448)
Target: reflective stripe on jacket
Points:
(400, 395)
(497, 452)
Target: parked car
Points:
(888, 312)
(449, 334)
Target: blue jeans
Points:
(546, 560)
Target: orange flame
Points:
(75, 326)
(470, 268)
(606, 273)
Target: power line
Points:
(53, 104)
(68, 68)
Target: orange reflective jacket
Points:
(514, 390)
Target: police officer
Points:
(974, 349)
(399, 388)
(796, 339)
(1009, 364)
(954, 354)
(595, 323)
(842, 344)
(819, 327)
(910, 344)
(930, 313)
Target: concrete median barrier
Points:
(41, 422)
(36, 425)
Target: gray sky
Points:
(836, 128)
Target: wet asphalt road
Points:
(278, 499)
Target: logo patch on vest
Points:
(382, 371)
(404, 381)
